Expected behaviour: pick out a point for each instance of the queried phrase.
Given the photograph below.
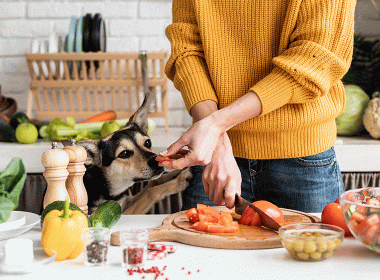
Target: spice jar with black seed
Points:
(96, 242)
(134, 246)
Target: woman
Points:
(262, 82)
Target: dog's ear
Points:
(94, 152)
(140, 117)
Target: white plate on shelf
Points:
(31, 220)
(35, 48)
(41, 260)
(53, 48)
(16, 220)
(43, 49)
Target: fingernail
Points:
(164, 152)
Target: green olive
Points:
(331, 245)
(303, 256)
(310, 247)
(288, 244)
(298, 245)
(322, 246)
(316, 255)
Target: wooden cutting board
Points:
(176, 228)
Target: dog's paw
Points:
(183, 179)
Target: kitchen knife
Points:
(267, 220)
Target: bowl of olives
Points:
(311, 241)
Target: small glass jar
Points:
(96, 242)
(134, 245)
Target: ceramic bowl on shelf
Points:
(311, 241)
(361, 211)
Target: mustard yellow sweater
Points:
(291, 53)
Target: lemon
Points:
(109, 127)
(26, 133)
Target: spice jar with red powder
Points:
(134, 244)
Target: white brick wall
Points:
(131, 25)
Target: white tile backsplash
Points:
(131, 25)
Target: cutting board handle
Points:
(165, 232)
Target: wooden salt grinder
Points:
(55, 162)
(74, 184)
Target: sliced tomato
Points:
(372, 202)
(246, 216)
(215, 228)
(207, 218)
(212, 211)
(358, 217)
(256, 220)
(232, 227)
(201, 207)
(192, 215)
(195, 225)
(371, 234)
(225, 218)
(372, 220)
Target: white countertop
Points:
(351, 261)
(354, 154)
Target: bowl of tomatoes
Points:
(311, 241)
(361, 212)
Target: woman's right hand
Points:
(222, 177)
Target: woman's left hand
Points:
(201, 140)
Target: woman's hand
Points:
(201, 140)
(222, 177)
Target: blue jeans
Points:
(305, 184)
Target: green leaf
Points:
(12, 181)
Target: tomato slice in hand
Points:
(161, 158)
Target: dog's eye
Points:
(125, 154)
(148, 143)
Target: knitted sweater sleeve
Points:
(186, 66)
(318, 53)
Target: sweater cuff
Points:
(276, 90)
(193, 81)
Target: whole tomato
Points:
(332, 215)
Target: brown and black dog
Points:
(122, 167)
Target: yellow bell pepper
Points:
(62, 232)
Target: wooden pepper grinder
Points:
(55, 162)
(74, 184)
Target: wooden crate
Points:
(84, 84)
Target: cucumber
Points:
(106, 215)
(57, 205)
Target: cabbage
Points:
(350, 122)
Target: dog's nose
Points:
(153, 163)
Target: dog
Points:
(122, 167)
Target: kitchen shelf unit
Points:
(85, 84)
